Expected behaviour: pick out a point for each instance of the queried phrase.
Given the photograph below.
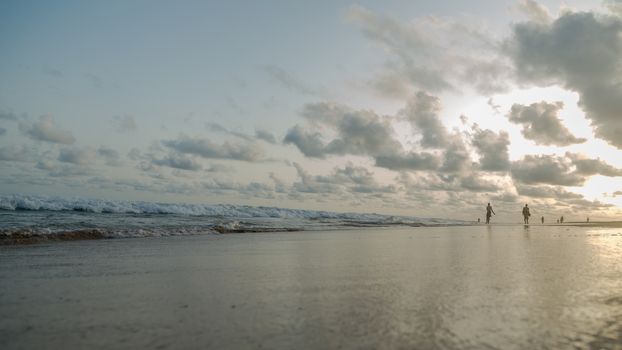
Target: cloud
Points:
(290, 81)
(259, 134)
(15, 153)
(456, 157)
(541, 124)
(477, 182)
(265, 136)
(178, 161)
(556, 192)
(545, 169)
(8, 116)
(409, 161)
(581, 51)
(309, 184)
(423, 113)
(75, 155)
(111, 156)
(438, 182)
(535, 11)
(2, 131)
(357, 132)
(53, 72)
(219, 168)
(614, 6)
(432, 53)
(207, 149)
(587, 167)
(46, 130)
(342, 181)
(569, 170)
(364, 133)
(123, 124)
(492, 148)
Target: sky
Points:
(418, 108)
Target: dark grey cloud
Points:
(477, 182)
(265, 136)
(75, 155)
(433, 53)
(423, 113)
(492, 149)
(342, 181)
(446, 183)
(310, 184)
(569, 170)
(546, 169)
(46, 130)
(365, 133)
(178, 161)
(581, 51)
(587, 166)
(358, 132)
(207, 149)
(409, 161)
(308, 142)
(555, 192)
(124, 123)
(540, 123)
(456, 157)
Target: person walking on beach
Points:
(561, 220)
(526, 214)
(489, 213)
(542, 220)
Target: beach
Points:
(463, 287)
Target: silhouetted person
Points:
(542, 219)
(561, 220)
(489, 213)
(478, 220)
(588, 219)
(526, 214)
(557, 221)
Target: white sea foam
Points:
(37, 203)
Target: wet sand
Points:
(503, 287)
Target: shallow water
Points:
(499, 287)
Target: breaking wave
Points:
(31, 219)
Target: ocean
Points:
(25, 218)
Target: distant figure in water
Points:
(542, 219)
(526, 214)
(489, 213)
(588, 219)
(561, 220)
